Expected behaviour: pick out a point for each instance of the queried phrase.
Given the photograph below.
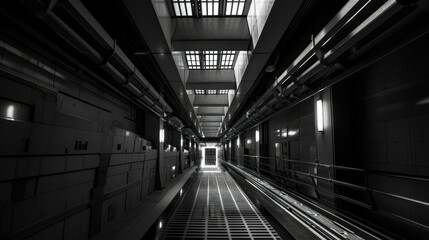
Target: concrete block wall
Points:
(77, 153)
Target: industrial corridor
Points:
(214, 119)
(216, 208)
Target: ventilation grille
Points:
(216, 208)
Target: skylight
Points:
(223, 91)
(209, 7)
(235, 7)
(200, 91)
(210, 59)
(182, 7)
(227, 59)
(211, 91)
(193, 59)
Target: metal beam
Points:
(211, 33)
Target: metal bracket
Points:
(318, 51)
(130, 76)
(48, 9)
(144, 91)
(110, 55)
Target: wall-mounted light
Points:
(257, 136)
(161, 135)
(181, 141)
(10, 112)
(249, 141)
(238, 141)
(292, 132)
(319, 105)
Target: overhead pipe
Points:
(88, 22)
(313, 63)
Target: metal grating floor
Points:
(216, 208)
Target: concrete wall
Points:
(77, 164)
(381, 124)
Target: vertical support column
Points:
(176, 141)
(324, 136)
(97, 195)
(154, 127)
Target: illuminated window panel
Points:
(210, 59)
(211, 91)
(200, 91)
(235, 7)
(182, 8)
(227, 59)
(193, 59)
(223, 91)
(209, 7)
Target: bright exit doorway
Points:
(209, 156)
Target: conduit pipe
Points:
(147, 94)
(354, 22)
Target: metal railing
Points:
(285, 170)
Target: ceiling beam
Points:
(211, 33)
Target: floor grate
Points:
(216, 208)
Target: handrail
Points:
(372, 205)
(375, 172)
(343, 183)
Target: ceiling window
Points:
(227, 59)
(209, 7)
(193, 59)
(182, 7)
(210, 59)
(200, 91)
(211, 91)
(223, 91)
(235, 7)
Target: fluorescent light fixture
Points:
(160, 224)
(257, 136)
(211, 91)
(319, 105)
(161, 135)
(292, 132)
(10, 112)
(238, 141)
(181, 141)
(223, 91)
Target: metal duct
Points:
(355, 21)
(147, 94)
